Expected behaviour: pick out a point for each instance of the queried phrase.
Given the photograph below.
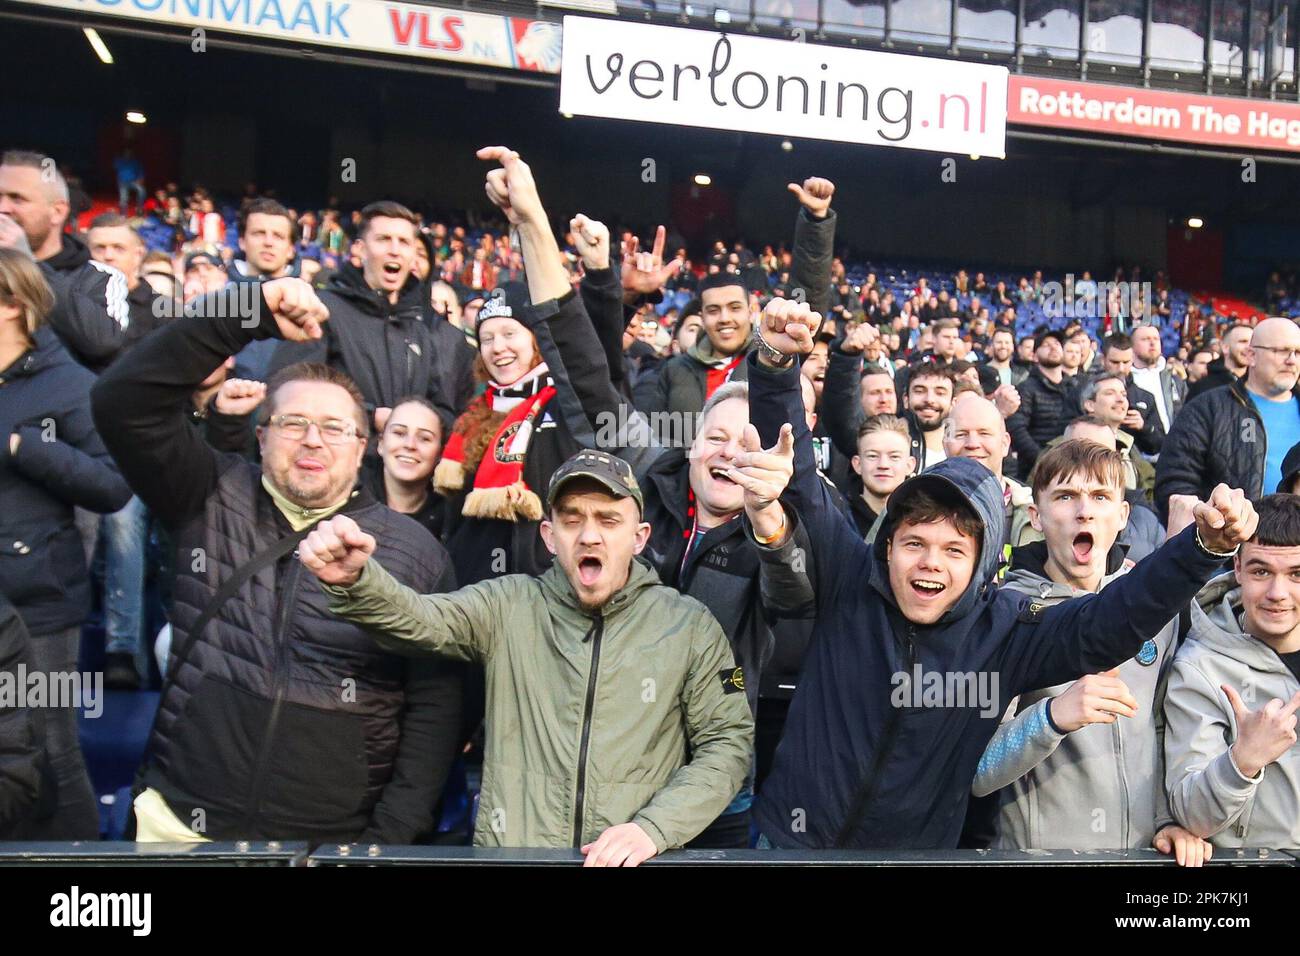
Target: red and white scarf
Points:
(499, 488)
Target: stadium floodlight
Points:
(703, 180)
(787, 145)
(586, 6)
(97, 44)
(1196, 222)
(135, 116)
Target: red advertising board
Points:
(1153, 114)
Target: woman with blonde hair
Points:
(51, 461)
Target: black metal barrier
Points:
(241, 853)
(497, 856)
(273, 854)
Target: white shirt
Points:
(1149, 379)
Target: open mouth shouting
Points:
(589, 570)
(927, 590)
(392, 271)
(1082, 547)
(719, 474)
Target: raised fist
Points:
(788, 326)
(512, 188)
(592, 239)
(239, 396)
(815, 195)
(336, 551)
(1227, 520)
(295, 307)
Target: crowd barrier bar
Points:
(500, 856)
(103, 853)
(248, 853)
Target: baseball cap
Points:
(210, 258)
(614, 474)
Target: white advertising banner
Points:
(681, 77)
(384, 26)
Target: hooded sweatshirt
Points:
(1100, 787)
(1207, 793)
(892, 717)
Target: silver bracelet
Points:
(1224, 555)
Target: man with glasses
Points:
(278, 720)
(1240, 433)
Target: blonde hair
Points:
(22, 284)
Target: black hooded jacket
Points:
(386, 348)
(92, 313)
(871, 758)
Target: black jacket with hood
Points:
(386, 348)
(92, 313)
(870, 761)
(60, 463)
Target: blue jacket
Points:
(867, 761)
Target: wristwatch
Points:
(775, 356)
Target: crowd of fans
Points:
(757, 551)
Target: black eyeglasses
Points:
(1282, 353)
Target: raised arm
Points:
(1089, 634)
(775, 399)
(461, 625)
(814, 242)
(841, 408)
(141, 404)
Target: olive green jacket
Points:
(634, 713)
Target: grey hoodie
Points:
(1207, 793)
(1098, 788)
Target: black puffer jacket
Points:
(1046, 407)
(1209, 443)
(283, 722)
(386, 348)
(61, 463)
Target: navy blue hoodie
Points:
(854, 769)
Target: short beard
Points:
(929, 427)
